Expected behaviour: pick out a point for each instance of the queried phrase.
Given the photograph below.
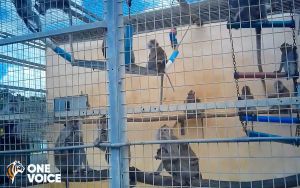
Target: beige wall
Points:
(204, 65)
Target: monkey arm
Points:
(175, 153)
(296, 56)
(280, 68)
(74, 138)
(97, 142)
(84, 160)
(160, 153)
(159, 169)
(273, 96)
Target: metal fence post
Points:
(116, 102)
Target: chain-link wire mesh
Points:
(149, 93)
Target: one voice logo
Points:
(36, 173)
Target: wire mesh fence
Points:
(149, 93)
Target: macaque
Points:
(43, 5)
(71, 160)
(103, 138)
(248, 10)
(11, 140)
(289, 62)
(246, 94)
(25, 11)
(281, 91)
(191, 98)
(179, 160)
(157, 57)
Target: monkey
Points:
(11, 140)
(179, 160)
(251, 11)
(25, 11)
(246, 94)
(72, 160)
(191, 98)
(43, 5)
(104, 48)
(289, 62)
(103, 138)
(157, 57)
(248, 10)
(281, 91)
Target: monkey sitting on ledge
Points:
(246, 94)
(289, 62)
(179, 160)
(71, 160)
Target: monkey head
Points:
(103, 129)
(164, 133)
(286, 47)
(191, 94)
(74, 125)
(246, 90)
(279, 87)
(152, 44)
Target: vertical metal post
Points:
(161, 88)
(116, 103)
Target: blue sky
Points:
(3, 70)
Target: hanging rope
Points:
(297, 133)
(244, 123)
(295, 77)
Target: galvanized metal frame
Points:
(116, 106)
(182, 107)
(22, 88)
(195, 141)
(23, 63)
(116, 91)
(34, 44)
(46, 34)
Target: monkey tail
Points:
(295, 85)
(175, 124)
(258, 48)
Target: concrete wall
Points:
(204, 65)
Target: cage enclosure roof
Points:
(147, 15)
(167, 16)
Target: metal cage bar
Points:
(116, 108)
